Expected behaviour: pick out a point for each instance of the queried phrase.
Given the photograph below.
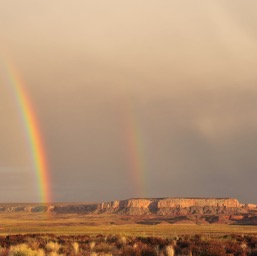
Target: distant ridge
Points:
(179, 210)
(139, 206)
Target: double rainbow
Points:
(33, 132)
(132, 134)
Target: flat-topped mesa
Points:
(198, 202)
(143, 206)
(109, 205)
(171, 206)
(130, 206)
(130, 203)
(139, 203)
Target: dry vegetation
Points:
(69, 224)
(25, 234)
(117, 245)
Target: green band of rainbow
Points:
(33, 133)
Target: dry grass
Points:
(169, 250)
(23, 249)
(75, 246)
(53, 247)
(18, 245)
(92, 245)
(23, 223)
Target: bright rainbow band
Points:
(33, 133)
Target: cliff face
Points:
(172, 206)
(138, 207)
(131, 206)
(198, 202)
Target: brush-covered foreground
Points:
(84, 245)
(42, 234)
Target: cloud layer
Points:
(180, 74)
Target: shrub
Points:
(210, 248)
(53, 247)
(75, 246)
(103, 247)
(92, 245)
(128, 251)
(24, 250)
(148, 251)
(169, 250)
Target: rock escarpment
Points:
(173, 206)
(143, 206)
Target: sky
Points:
(134, 98)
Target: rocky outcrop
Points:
(78, 208)
(172, 206)
(144, 206)
(197, 202)
(131, 207)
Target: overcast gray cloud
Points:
(181, 75)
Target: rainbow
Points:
(134, 142)
(33, 132)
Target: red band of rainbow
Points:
(33, 133)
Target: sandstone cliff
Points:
(173, 206)
(143, 206)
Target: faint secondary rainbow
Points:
(134, 142)
(33, 132)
